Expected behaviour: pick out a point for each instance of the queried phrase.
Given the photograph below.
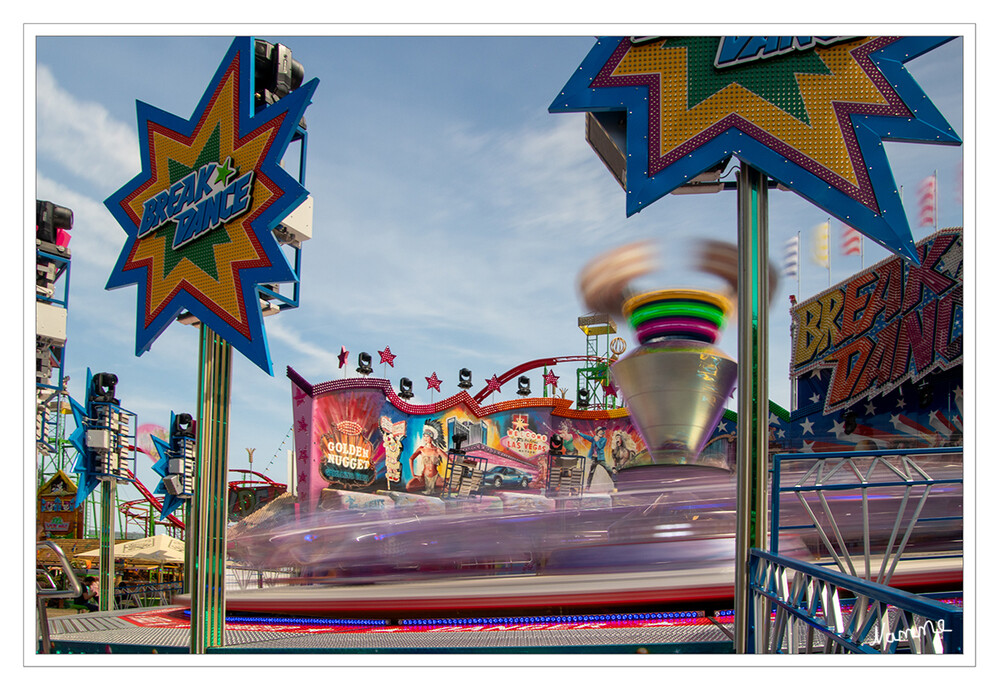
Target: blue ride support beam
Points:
(207, 524)
(753, 398)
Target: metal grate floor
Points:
(115, 628)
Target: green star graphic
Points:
(225, 171)
(775, 83)
(200, 252)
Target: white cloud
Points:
(97, 237)
(82, 136)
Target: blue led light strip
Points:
(430, 622)
(588, 618)
(264, 620)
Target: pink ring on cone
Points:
(677, 326)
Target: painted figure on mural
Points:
(623, 449)
(428, 460)
(392, 435)
(566, 433)
(596, 455)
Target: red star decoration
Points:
(299, 396)
(551, 379)
(302, 477)
(342, 357)
(433, 382)
(302, 426)
(493, 384)
(387, 357)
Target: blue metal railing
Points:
(794, 605)
(922, 482)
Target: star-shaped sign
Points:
(493, 384)
(812, 116)
(199, 217)
(387, 357)
(87, 480)
(551, 379)
(342, 357)
(433, 382)
(161, 468)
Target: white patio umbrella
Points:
(160, 548)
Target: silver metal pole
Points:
(753, 398)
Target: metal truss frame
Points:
(833, 474)
(796, 607)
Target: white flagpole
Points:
(797, 269)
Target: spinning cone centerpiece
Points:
(676, 382)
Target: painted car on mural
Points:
(499, 477)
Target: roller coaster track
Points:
(527, 366)
(146, 494)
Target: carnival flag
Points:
(851, 241)
(928, 201)
(791, 257)
(820, 249)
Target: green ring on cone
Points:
(667, 308)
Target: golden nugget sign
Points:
(201, 214)
(892, 323)
(346, 454)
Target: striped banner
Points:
(928, 201)
(791, 250)
(820, 250)
(851, 241)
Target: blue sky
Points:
(452, 214)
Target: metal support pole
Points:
(753, 398)
(105, 572)
(188, 515)
(207, 524)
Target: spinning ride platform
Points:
(166, 630)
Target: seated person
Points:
(88, 597)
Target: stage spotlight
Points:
(849, 421)
(50, 219)
(464, 379)
(523, 386)
(555, 445)
(364, 363)
(183, 426)
(405, 388)
(276, 73)
(102, 388)
(457, 439)
(582, 399)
